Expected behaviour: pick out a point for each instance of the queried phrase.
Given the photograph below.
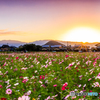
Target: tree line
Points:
(29, 47)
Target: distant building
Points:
(4, 48)
(53, 46)
(7, 48)
(98, 46)
(12, 48)
(81, 48)
(45, 47)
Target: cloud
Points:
(5, 32)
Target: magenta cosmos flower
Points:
(67, 56)
(8, 91)
(55, 85)
(0, 86)
(17, 58)
(42, 77)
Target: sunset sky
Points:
(68, 20)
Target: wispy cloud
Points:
(6, 32)
(3, 30)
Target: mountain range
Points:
(11, 43)
(42, 42)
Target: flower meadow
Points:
(49, 75)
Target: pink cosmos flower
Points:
(96, 84)
(94, 63)
(8, 91)
(55, 96)
(66, 97)
(74, 97)
(48, 98)
(25, 80)
(46, 66)
(5, 64)
(70, 65)
(91, 72)
(15, 69)
(6, 72)
(65, 84)
(97, 77)
(55, 85)
(24, 68)
(50, 63)
(55, 78)
(89, 79)
(99, 74)
(60, 62)
(28, 93)
(8, 86)
(31, 66)
(44, 86)
(24, 98)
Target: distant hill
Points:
(11, 43)
(42, 42)
(72, 43)
(53, 43)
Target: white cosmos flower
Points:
(25, 58)
(17, 90)
(46, 81)
(75, 90)
(16, 84)
(79, 85)
(25, 77)
(7, 81)
(97, 77)
(84, 85)
(8, 86)
(40, 82)
(36, 71)
(28, 93)
(32, 77)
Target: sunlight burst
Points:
(82, 34)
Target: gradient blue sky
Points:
(30, 20)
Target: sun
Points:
(82, 34)
(84, 42)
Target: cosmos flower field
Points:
(49, 75)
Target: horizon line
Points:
(51, 40)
